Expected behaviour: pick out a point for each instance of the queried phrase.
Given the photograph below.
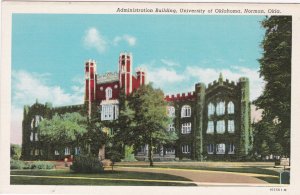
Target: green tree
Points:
(123, 133)
(147, 119)
(275, 69)
(63, 130)
(95, 137)
(15, 151)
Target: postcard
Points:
(142, 97)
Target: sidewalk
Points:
(204, 176)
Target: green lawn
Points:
(107, 174)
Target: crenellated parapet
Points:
(180, 97)
(220, 82)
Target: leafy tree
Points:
(15, 151)
(147, 119)
(65, 129)
(275, 69)
(95, 137)
(122, 128)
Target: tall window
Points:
(171, 127)
(186, 128)
(77, 150)
(220, 108)
(210, 149)
(230, 108)
(36, 152)
(108, 93)
(56, 152)
(31, 136)
(37, 119)
(231, 126)
(67, 151)
(221, 126)
(210, 127)
(171, 111)
(231, 148)
(211, 109)
(220, 149)
(186, 111)
(36, 137)
(185, 149)
(31, 125)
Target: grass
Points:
(107, 174)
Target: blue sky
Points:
(49, 50)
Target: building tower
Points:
(245, 138)
(141, 76)
(125, 75)
(90, 84)
(199, 118)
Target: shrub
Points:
(18, 164)
(86, 164)
(41, 165)
(15, 151)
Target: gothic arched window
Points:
(220, 108)
(211, 109)
(230, 107)
(186, 111)
(108, 93)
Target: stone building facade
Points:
(212, 122)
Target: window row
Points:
(220, 108)
(67, 151)
(186, 149)
(36, 152)
(220, 148)
(220, 127)
(186, 111)
(109, 112)
(186, 128)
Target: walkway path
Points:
(203, 176)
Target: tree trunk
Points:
(151, 153)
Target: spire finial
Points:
(220, 77)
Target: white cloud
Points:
(131, 40)
(169, 62)
(94, 39)
(162, 76)
(207, 75)
(27, 87)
